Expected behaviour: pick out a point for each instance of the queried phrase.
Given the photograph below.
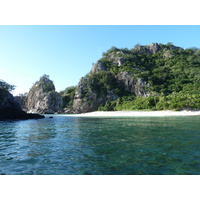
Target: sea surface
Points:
(66, 145)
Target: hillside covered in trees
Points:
(154, 76)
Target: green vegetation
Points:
(48, 86)
(165, 74)
(68, 96)
(174, 101)
(99, 83)
(6, 87)
(172, 72)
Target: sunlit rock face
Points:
(88, 99)
(148, 49)
(136, 86)
(42, 97)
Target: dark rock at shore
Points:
(11, 110)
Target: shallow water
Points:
(70, 145)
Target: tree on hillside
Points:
(137, 45)
(169, 44)
(6, 87)
(45, 76)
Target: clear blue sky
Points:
(66, 53)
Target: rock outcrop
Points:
(125, 73)
(87, 99)
(136, 86)
(124, 80)
(11, 110)
(89, 96)
(42, 97)
(90, 93)
(99, 66)
(155, 47)
(148, 49)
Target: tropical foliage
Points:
(5, 86)
(68, 96)
(172, 72)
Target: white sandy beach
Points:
(138, 113)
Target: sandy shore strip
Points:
(137, 113)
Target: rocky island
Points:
(154, 77)
(151, 77)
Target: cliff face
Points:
(101, 85)
(148, 49)
(99, 66)
(11, 110)
(123, 79)
(42, 97)
(154, 48)
(90, 93)
(88, 98)
(136, 86)
(123, 72)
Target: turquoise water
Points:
(69, 145)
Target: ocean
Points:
(66, 145)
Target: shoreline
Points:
(164, 113)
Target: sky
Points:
(66, 52)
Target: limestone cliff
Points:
(91, 93)
(148, 49)
(136, 86)
(42, 97)
(154, 48)
(122, 76)
(121, 72)
(99, 66)
(101, 85)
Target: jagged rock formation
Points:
(91, 92)
(148, 49)
(144, 77)
(128, 71)
(11, 110)
(136, 86)
(90, 95)
(154, 48)
(93, 99)
(42, 97)
(139, 78)
(99, 66)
